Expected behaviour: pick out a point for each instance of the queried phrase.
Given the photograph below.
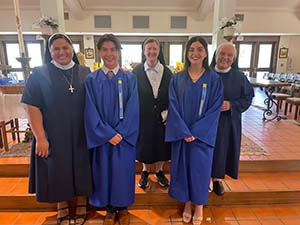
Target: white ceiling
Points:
(171, 5)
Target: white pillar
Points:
(54, 9)
(222, 9)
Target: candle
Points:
(19, 28)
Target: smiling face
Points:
(61, 51)
(151, 52)
(109, 54)
(196, 53)
(225, 56)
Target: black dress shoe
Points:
(218, 188)
(144, 180)
(162, 179)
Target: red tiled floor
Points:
(223, 213)
(27, 218)
(291, 221)
(271, 222)
(273, 215)
(264, 213)
(285, 212)
(243, 213)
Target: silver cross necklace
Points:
(71, 88)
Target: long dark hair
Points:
(187, 47)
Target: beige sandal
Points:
(197, 220)
(186, 217)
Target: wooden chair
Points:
(286, 92)
(292, 101)
(13, 129)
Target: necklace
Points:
(194, 79)
(71, 88)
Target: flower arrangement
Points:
(48, 21)
(227, 23)
(229, 27)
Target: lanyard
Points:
(203, 97)
(120, 88)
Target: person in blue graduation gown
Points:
(195, 99)
(238, 94)
(60, 163)
(111, 122)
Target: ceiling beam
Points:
(203, 8)
(75, 8)
(83, 4)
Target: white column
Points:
(222, 8)
(19, 28)
(54, 9)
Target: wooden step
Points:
(249, 189)
(20, 168)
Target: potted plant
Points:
(48, 25)
(229, 27)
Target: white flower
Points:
(48, 21)
(227, 23)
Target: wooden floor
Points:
(266, 193)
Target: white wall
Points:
(267, 22)
(8, 22)
(292, 63)
(254, 22)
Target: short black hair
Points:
(109, 37)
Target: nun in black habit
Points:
(153, 82)
(238, 94)
(60, 166)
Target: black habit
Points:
(151, 146)
(66, 172)
(239, 92)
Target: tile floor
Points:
(237, 215)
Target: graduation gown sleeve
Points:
(98, 131)
(176, 128)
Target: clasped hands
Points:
(225, 106)
(189, 139)
(116, 139)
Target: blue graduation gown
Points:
(239, 92)
(191, 162)
(66, 172)
(113, 167)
